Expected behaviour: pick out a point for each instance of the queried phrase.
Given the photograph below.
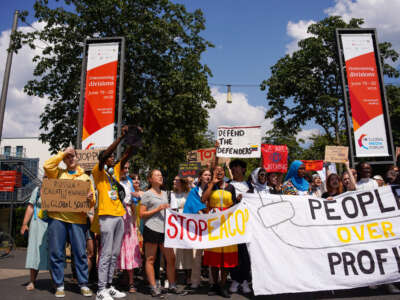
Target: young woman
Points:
(219, 196)
(193, 205)
(348, 180)
(295, 184)
(37, 254)
(274, 182)
(316, 186)
(129, 257)
(334, 186)
(152, 210)
(259, 181)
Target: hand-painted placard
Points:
(191, 169)
(336, 154)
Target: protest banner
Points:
(350, 241)
(203, 156)
(313, 165)
(87, 159)
(275, 158)
(203, 231)
(336, 154)
(65, 195)
(239, 141)
(191, 169)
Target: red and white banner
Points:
(313, 165)
(365, 95)
(99, 107)
(275, 158)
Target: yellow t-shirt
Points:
(106, 205)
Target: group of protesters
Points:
(124, 230)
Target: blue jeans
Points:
(57, 235)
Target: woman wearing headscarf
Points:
(295, 183)
(259, 180)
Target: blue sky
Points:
(249, 37)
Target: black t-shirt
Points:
(326, 195)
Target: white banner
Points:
(303, 244)
(202, 231)
(239, 141)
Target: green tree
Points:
(165, 85)
(393, 96)
(306, 86)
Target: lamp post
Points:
(229, 94)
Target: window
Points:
(7, 150)
(19, 151)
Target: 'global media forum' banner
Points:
(365, 95)
(99, 107)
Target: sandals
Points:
(30, 286)
(131, 289)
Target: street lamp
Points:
(229, 94)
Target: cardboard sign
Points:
(239, 141)
(87, 159)
(65, 195)
(313, 165)
(203, 156)
(336, 154)
(275, 158)
(191, 169)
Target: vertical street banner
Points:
(365, 95)
(239, 141)
(100, 95)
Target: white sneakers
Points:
(244, 286)
(109, 294)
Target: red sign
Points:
(274, 158)
(6, 189)
(313, 165)
(9, 180)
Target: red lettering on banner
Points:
(181, 218)
(202, 228)
(188, 231)
(172, 225)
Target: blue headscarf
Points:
(300, 183)
(193, 202)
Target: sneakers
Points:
(224, 292)
(245, 287)
(86, 292)
(60, 293)
(213, 290)
(173, 289)
(234, 286)
(156, 292)
(115, 293)
(392, 289)
(103, 295)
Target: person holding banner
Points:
(295, 183)
(365, 182)
(152, 210)
(219, 196)
(68, 224)
(334, 187)
(106, 174)
(348, 180)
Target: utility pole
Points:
(6, 78)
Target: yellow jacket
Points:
(52, 171)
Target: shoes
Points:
(115, 293)
(156, 292)
(224, 292)
(234, 287)
(166, 284)
(60, 293)
(86, 292)
(392, 289)
(214, 289)
(131, 289)
(194, 286)
(245, 287)
(103, 295)
(173, 289)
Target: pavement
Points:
(14, 277)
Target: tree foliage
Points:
(165, 85)
(306, 86)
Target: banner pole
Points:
(121, 91)
(81, 98)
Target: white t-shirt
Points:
(366, 184)
(178, 201)
(241, 187)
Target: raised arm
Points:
(352, 179)
(110, 150)
(207, 193)
(51, 165)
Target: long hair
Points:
(201, 174)
(329, 188)
(149, 177)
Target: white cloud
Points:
(297, 31)
(22, 111)
(239, 112)
(306, 134)
(380, 14)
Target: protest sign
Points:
(336, 154)
(203, 231)
(65, 195)
(204, 156)
(350, 241)
(313, 165)
(274, 158)
(239, 141)
(87, 159)
(191, 169)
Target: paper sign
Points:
(274, 158)
(87, 159)
(239, 141)
(204, 156)
(191, 169)
(65, 195)
(313, 165)
(336, 154)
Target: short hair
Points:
(237, 162)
